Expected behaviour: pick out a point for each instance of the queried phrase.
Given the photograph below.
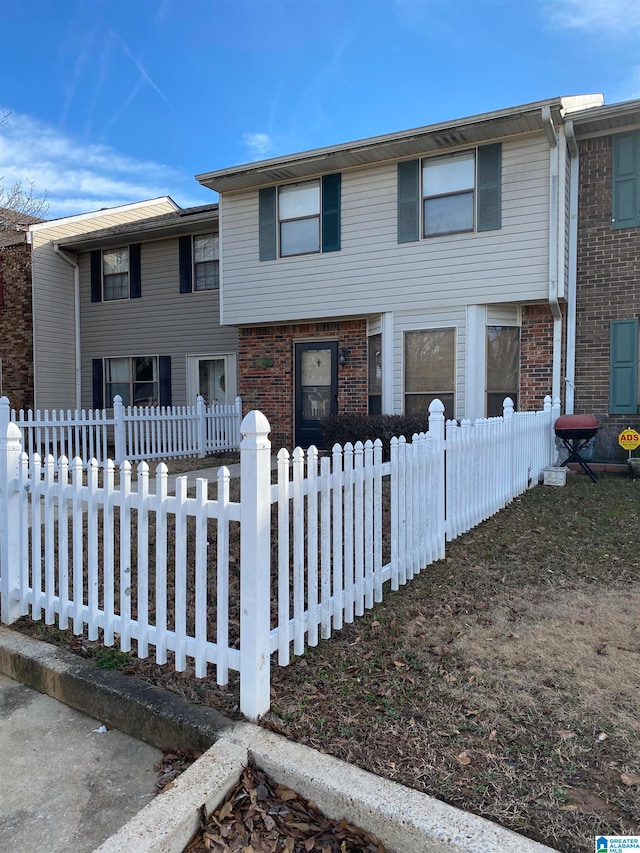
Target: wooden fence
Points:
(190, 574)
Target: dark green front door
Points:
(316, 389)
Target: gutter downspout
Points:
(573, 270)
(76, 320)
(554, 305)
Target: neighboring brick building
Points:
(608, 273)
(16, 326)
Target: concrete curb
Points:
(156, 716)
(405, 820)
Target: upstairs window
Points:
(206, 264)
(626, 179)
(450, 194)
(299, 219)
(116, 273)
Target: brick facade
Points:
(266, 370)
(608, 288)
(536, 356)
(16, 327)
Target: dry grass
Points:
(504, 679)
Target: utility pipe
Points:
(573, 269)
(554, 304)
(76, 320)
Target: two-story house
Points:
(603, 353)
(376, 275)
(128, 303)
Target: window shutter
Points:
(98, 383)
(185, 264)
(626, 180)
(489, 187)
(96, 276)
(267, 223)
(135, 278)
(408, 201)
(331, 189)
(623, 365)
(164, 380)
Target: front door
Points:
(316, 390)
(212, 377)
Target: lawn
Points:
(504, 680)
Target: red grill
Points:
(575, 432)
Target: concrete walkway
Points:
(65, 787)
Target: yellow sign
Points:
(629, 439)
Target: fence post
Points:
(255, 565)
(507, 487)
(202, 425)
(436, 430)
(238, 422)
(10, 452)
(118, 429)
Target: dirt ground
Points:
(504, 680)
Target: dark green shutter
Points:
(267, 223)
(623, 364)
(408, 201)
(331, 188)
(97, 374)
(489, 202)
(96, 276)
(164, 380)
(626, 180)
(135, 277)
(185, 264)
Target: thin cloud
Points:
(78, 177)
(258, 145)
(618, 17)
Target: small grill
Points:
(575, 432)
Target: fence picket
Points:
(161, 563)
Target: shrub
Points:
(339, 429)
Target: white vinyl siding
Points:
(160, 322)
(373, 273)
(53, 303)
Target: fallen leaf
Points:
(493, 734)
(565, 734)
(630, 778)
(463, 758)
(568, 808)
(603, 736)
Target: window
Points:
(139, 380)
(429, 370)
(300, 219)
(503, 367)
(199, 262)
(450, 194)
(625, 152)
(116, 273)
(624, 380)
(374, 343)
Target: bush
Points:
(339, 429)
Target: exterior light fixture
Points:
(344, 353)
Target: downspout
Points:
(573, 270)
(554, 304)
(76, 320)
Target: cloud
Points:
(81, 177)
(259, 145)
(618, 17)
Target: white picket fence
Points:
(173, 572)
(129, 432)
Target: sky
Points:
(116, 101)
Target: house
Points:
(602, 355)
(16, 333)
(128, 303)
(376, 275)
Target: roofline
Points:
(313, 157)
(140, 227)
(106, 211)
(607, 112)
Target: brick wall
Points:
(536, 356)
(270, 388)
(608, 288)
(16, 330)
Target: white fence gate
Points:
(173, 571)
(129, 432)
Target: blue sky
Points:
(114, 101)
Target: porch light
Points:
(344, 353)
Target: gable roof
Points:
(393, 146)
(177, 222)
